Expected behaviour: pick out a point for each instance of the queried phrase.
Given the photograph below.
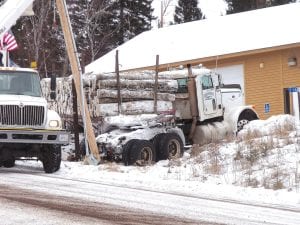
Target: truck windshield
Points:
(20, 83)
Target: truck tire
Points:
(9, 163)
(156, 143)
(141, 153)
(170, 146)
(51, 158)
(241, 123)
(244, 118)
(126, 150)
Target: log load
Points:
(128, 94)
(132, 108)
(101, 92)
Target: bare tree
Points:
(165, 4)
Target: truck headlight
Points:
(53, 123)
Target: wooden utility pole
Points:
(78, 154)
(77, 73)
(118, 82)
(155, 89)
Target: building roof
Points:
(235, 33)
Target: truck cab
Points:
(208, 90)
(28, 129)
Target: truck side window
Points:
(182, 85)
(207, 82)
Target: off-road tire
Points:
(141, 153)
(170, 146)
(9, 163)
(51, 158)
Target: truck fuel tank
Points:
(211, 132)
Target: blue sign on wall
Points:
(267, 107)
(293, 89)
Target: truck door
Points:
(209, 95)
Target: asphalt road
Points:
(32, 197)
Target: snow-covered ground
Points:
(260, 166)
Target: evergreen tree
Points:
(186, 11)
(236, 6)
(281, 2)
(133, 17)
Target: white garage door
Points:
(234, 75)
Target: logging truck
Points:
(196, 115)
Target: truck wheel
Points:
(241, 124)
(156, 143)
(9, 163)
(141, 153)
(170, 147)
(126, 150)
(244, 118)
(51, 158)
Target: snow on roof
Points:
(257, 29)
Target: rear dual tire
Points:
(168, 146)
(138, 152)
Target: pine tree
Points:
(186, 11)
(133, 16)
(236, 6)
(281, 2)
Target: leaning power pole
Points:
(90, 140)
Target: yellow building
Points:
(259, 49)
(269, 76)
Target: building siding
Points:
(266, 75)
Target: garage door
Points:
(233, 75)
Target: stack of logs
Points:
(137, 91)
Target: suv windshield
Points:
(19, 83)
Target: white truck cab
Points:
(27, 127)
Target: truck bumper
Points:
(34, 136)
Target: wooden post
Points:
(76, 70)
(78, 154)
(118, 82)
(156, 84)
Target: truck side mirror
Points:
(53, 87)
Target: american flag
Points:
(8, 42)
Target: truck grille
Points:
(27, 115)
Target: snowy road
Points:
(134, 206)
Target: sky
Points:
(209, 8)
